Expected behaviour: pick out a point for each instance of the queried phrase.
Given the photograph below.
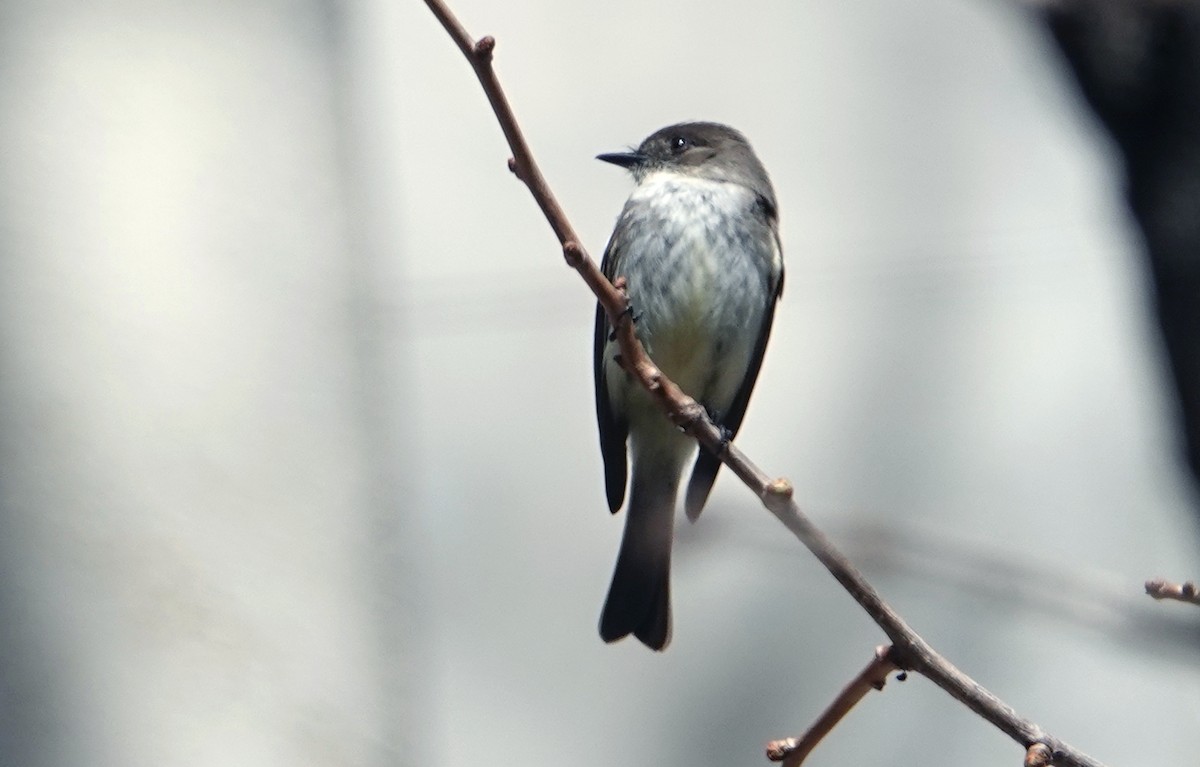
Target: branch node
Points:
(483, 49)
(512, 167)
(884, 664)
(778, 494)
(1038, 755)
(777, 750)
(689, 414)
(1161, 588)
(573, 253)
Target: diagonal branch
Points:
(909, 651)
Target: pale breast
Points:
(701, 263)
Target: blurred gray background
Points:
(297, 455)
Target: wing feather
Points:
(614, 431)
(704, 473)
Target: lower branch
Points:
(793, 751)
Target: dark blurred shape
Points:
(1138, 65)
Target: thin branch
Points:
(793, 751)
(1161, 588)
(909, 650)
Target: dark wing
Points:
(705, 471)
(613, 430)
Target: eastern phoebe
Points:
(698, 245)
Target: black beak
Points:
(624, 159)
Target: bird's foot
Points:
(634, 317)
(726, 434)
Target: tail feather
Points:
(655, 630)
(639, 599)
(639, 603)
(703, 476)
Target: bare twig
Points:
(793, 751)
(909, 651)
(1161, 588)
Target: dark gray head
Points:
(706, 150)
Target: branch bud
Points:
(484, 47)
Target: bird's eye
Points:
(679, 143)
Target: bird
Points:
(697, 246)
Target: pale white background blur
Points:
(297, 455)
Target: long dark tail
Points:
(639, 599)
